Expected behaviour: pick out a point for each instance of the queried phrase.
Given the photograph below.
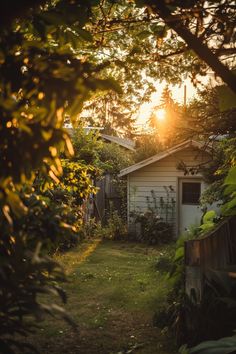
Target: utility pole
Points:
(185, 96)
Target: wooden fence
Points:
(217, 251)
(107, 199)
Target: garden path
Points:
(114, 290)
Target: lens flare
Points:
(161, 114)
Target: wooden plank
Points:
(152, 184)
(163, 179)
(194, 282)
(214, 251)
(192, 253)
(155, 173)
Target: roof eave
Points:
(160, 156)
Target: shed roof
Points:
(163, 154)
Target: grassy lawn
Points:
(113, 292)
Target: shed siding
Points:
(157, 175)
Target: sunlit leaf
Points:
(209, 216)
(16, 205)
(144, 34)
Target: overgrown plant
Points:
(214, 317)
(156, 223)
(221, 287)
(42, 80)
(183, 314)
(226, 345)
(173, 315)
(114, 229)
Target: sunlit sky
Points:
(177, 94)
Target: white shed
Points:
(171, 183)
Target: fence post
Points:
(193, 271)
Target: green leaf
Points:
(16, 205)
(222, 346)
(227, 98)
(159, 29)
(229, 208)
(229, 189)
(231, 177)
(183, 349)
(144, 34)
(208, 226)
(179, 253)
(109, 84)
(85, 35)
(53, 18)
(135, 50)
(209, 216)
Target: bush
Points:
(153, 229)
(90, 229)
(214, 316)
(26, 274)
(115, 228)
(164, 262)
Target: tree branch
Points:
(193, 42)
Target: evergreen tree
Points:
(165, 118)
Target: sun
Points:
(161, 114)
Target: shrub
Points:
(153, 229)
(90, 229)
(155, 224)
(114, 229)
(26, 274)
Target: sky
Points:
(177, 94)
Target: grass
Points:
(113, 291)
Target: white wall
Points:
(157, 175)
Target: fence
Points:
(217, 250)
(108, 197)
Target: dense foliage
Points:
(51, 62)
(41, 79)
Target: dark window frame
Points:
(191, 196)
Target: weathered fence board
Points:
(107, 199)
(216, 250)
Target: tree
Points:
(147, 145)
(42, 79)
(112, 113)
(205, 118)
(166, 125)
(207, 27)
(168, 33)
(113, 158)
(52, 61)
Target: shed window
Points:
(191, 192)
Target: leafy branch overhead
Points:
(200, 24)
(54, 57)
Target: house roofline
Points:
(126, 143)
(162, 155)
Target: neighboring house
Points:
(170, 183)
(125, 143)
